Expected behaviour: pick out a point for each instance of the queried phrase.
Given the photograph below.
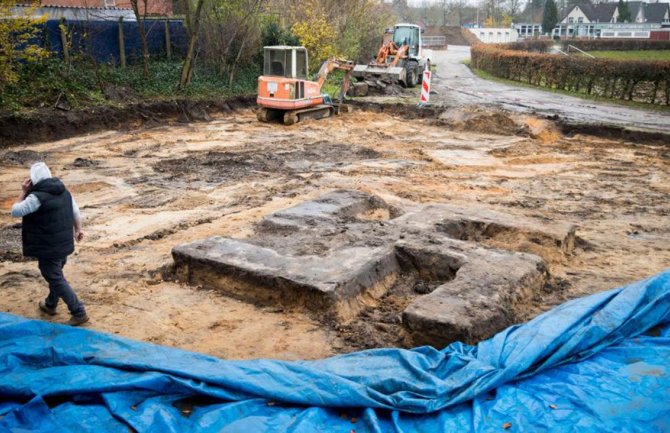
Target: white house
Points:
(527, 30)
(495, 35)
(601, 19)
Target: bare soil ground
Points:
(144, 191)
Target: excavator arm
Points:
(329, 66)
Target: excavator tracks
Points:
(292, 117)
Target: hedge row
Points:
(538, 46)
(616, 44)
(644, 81)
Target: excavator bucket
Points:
(378, 75)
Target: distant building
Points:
(97, 9)
(495, 35)
(528, 30)
(601, 20)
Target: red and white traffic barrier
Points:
(425, 88)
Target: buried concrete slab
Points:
(479, 300)
(330, 284)
(340, 253)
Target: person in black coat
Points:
(51, 223)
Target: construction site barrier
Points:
(425, 88)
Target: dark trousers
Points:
(59, 288)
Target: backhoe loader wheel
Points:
(411, 78)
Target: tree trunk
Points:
(193, 22)
(231, 78)
(143, 35)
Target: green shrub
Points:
(646, 81)
(83, 84)
(616, 44)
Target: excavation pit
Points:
(330, 258)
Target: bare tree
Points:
(141, 18)
(460, 6)
(447, 10)
(250, 20)
(193, 18)
(514, 7)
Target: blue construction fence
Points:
(100, 39)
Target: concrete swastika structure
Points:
(336, 254)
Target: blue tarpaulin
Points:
(594, 364)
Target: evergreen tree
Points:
(624, 12)
(550, 17)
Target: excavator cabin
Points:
(285, 90)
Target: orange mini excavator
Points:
(284, 89)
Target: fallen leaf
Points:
(354, 420)
(553, 406)
(507, 425)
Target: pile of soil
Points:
(480, 120)
(455, 36)
(21, 157)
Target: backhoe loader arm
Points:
(391, 49)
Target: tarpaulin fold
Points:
(598, 363)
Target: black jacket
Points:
(48, 232)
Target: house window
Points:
(110, 3)
(580, 20)
(571, 20)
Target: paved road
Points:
(455, 84)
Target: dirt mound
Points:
(480, 120)
(455, 36)
(85, 162)
(22, 157)
(540, 129)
